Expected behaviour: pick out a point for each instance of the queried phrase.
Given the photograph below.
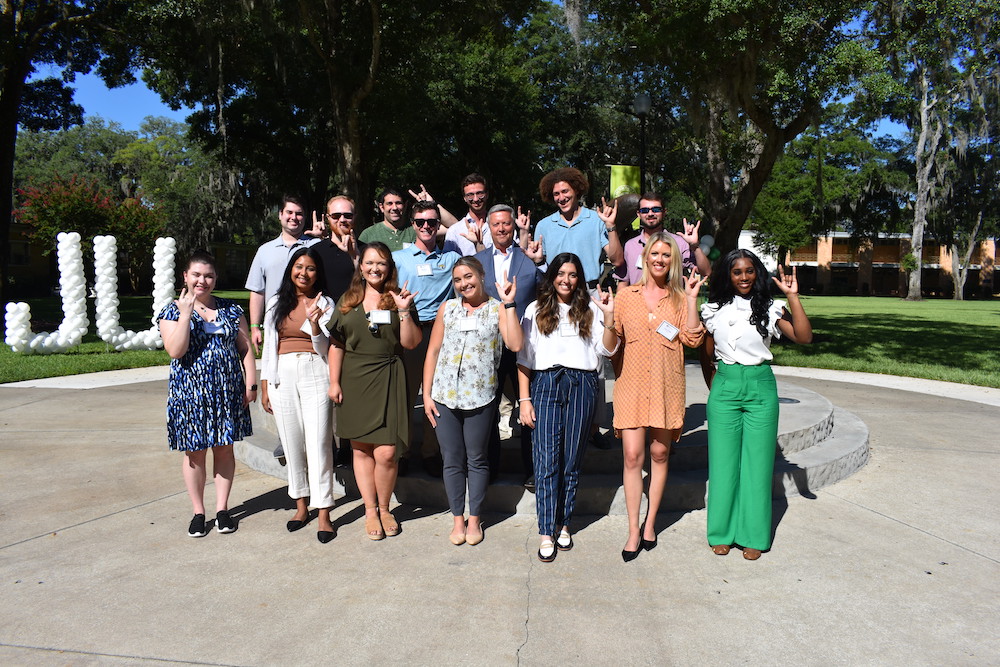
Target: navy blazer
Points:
(528, 277)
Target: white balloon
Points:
(708, 240)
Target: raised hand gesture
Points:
(473, 232)
(608, 213)
(692, 284)
(403, 298)
(788, 284)
(423, 195)
(314, 310)
(347, 243)
(507, 289)
(522, 221)
(605, 301)
(690, 232)
(535, 251)
(318, 229)
(185, 302)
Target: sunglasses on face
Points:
(476, 195)
(655, 209)
(427, 222)
(345, 216)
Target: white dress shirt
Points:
(736, 340)
(564, 346)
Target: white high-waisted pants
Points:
(303, 413)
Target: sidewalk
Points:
(900, 563)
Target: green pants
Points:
(742, 437)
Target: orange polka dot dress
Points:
(650, 391)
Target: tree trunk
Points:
(960, 266)
(931, 129)
(10, 102)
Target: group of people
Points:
(353, 327)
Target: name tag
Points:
(667, 330)
(568, 329)
(467, 323)
(406, 245)
(380, 317)
(638, 261)
(212, 328)
(424, 269)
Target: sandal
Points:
(373, 527)
(547, 551)
(389, 523)
(751, 554)
(720, 549)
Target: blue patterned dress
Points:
(205, 392)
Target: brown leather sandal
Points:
(721, 549)
(389, 523)
(751, 554)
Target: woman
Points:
(564, 342)
(213, 378)
(372, 324)
(742, 318)
(294, 383)
(655, 319)
(460, 377)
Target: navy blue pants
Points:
(563, 399)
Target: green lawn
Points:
(94, 354)
(955, 341)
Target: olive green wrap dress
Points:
(373, 381)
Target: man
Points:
(339, 254)
(269, 263)
(393, 229)
(425, 271)
(505, 258)
(339, 251)
(651, 214)
(268, 268)
(575, 229)
(472, 232)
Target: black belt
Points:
(591, 284)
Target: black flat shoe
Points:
(628, 556)
(295, 524)
(324, 536)
(648, 545)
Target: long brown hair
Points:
(355, 294)
(547, 313)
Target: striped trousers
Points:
(564, 405)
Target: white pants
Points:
(303, 413)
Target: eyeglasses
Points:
(426, 222)
(345, 216)
(372, 327)
(475, 195)
(656, 209)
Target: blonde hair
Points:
(675, 275)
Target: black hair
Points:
(287, 298)
(721, 290)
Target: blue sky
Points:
(127, 106)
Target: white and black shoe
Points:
(224, 523)
(197, 526)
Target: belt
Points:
(591, 284)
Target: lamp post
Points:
(641, 106)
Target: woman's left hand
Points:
(606, 302)
(788, 284)
(313, 309)
(693, 283)
(404, 297)
(430, 409)
(507, 289)
(249, 396)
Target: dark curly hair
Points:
(571, 175)
(287, 298)
(547, 313)
(721, 290)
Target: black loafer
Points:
(324, 536)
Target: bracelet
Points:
(523, 399)
(610, 327)
(509, 305)
(404, 314)
(256, 326)
(611, 229)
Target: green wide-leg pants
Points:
(742, 437)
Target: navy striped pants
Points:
(564, 405)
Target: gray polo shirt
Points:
(270, 262)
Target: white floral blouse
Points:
(465, 377)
